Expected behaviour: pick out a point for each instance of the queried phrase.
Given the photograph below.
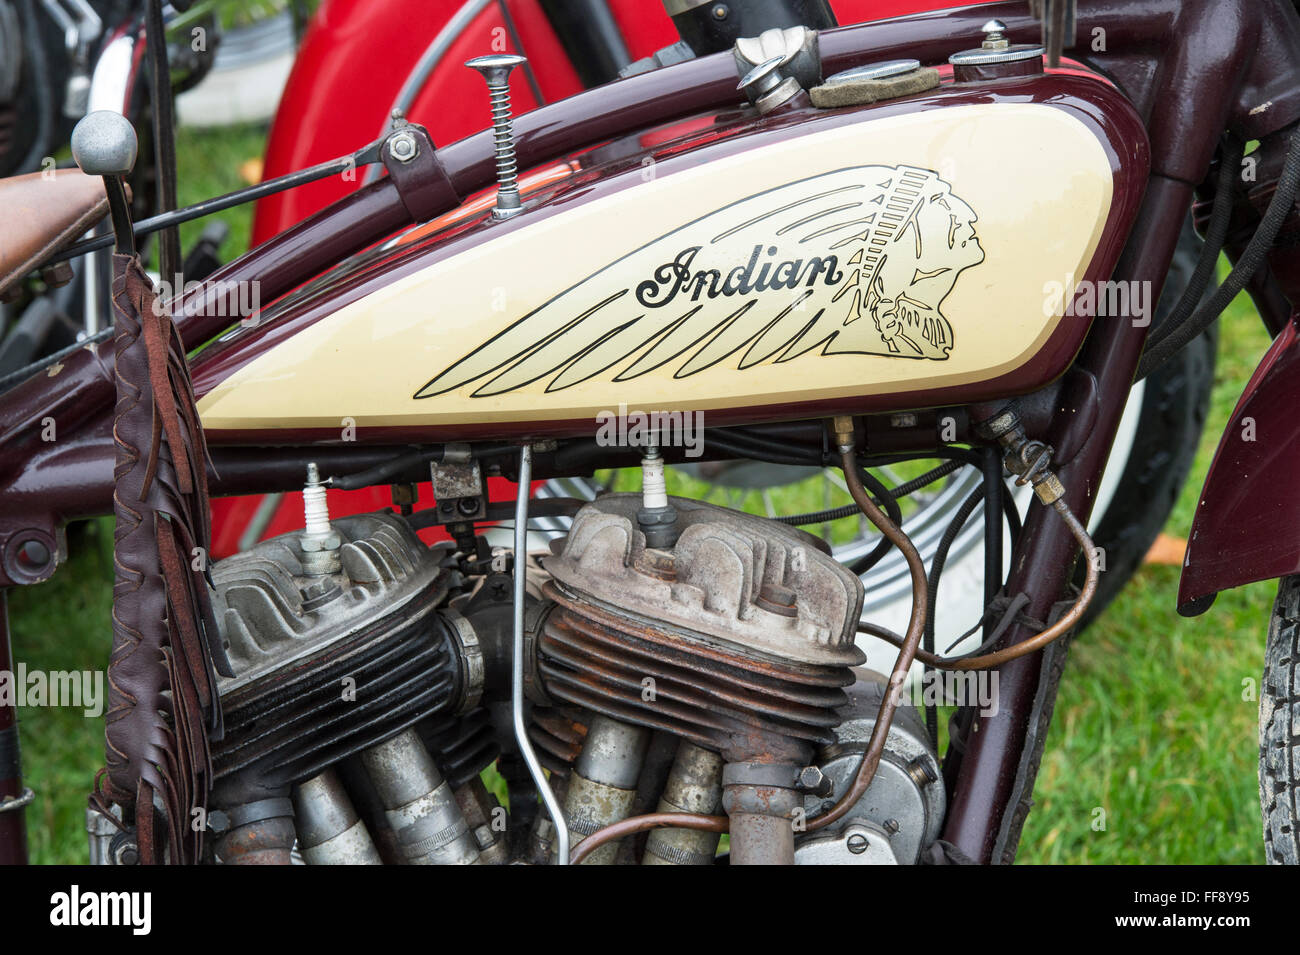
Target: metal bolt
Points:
(995, 35)
(812, 780)
(857, 843)
(403, 147)
(920, 771)
(720, 11)
(33, 555)
(125, 852)
(57, 275)
(763, 78)
(496, 71)
(891, 826)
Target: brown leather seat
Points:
(40, 213)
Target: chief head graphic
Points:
(920, 238)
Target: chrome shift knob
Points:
(104, 144)
(495, 69)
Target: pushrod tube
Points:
(517, 661)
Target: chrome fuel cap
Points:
(997, 57)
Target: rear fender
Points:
(1247, 525)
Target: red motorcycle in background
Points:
(570, 46)
(857, 262)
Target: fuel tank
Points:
(909, 254)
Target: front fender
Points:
(1247, 526)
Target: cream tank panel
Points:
(903, 253)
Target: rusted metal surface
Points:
(602, 788)
(652, 820)
(267, 842)
(717, 698)
(481, 811)
(694, 786)
(557, 732)
(762, 822)
(744, 582)
(590, 806)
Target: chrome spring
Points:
(503, 138)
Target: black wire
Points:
(890, 504)
(849, 510)
(740, 446)
(1279, 208)
(936, 572)
(210, 206)
(402, 462)
(22, 374)
(1215, 237)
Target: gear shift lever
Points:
(104, 144)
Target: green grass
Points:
(1150, 726)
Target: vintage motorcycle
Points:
(921, 239)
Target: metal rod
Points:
(219, 204)
(517, 661)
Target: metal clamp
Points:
(10, 803)
(472, 667)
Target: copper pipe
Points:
(1033, 644)
(911, 642)
(651, 820)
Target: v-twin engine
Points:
(714, 673)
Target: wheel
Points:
(253, 60)
(1279, 728)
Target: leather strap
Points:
(162, 697)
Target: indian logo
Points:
(854, 262)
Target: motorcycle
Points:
(917, 239)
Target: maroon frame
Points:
(1191, 68)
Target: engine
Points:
(733, 650)
(685, 658)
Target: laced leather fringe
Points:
(162, 691)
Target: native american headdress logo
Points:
(856, 261)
